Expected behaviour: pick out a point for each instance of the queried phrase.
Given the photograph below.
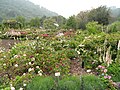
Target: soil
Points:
(7, 44)
(76, 67)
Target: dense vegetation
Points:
(48, 45)
(13, 8)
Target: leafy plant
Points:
(69, 83)
(41, 83)
(92, 82)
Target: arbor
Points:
(60, 20)
(21, 20)
(82, 19)
(93, 27)
(49, 23)
(35, 22)
(71, 23)
(100, 14)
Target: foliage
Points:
(13, 8)
(114, 27)
(69, 83)
(114, 70)
(49, 23)
(100, 14)
(35, 22)
(93, 47)
(22, 21)
(92, 82)
(41, 83)
(93, 27)
(82, 19)
(71, 23)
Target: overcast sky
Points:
(67, 8)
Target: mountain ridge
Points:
(13, 8)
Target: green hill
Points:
(13, 8)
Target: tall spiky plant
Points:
(108, 59)
(105, 43)
(118, 52)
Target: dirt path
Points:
(75, 67)
(7, 44)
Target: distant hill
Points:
(115, 12)
(13, 8)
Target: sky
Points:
(68, 8)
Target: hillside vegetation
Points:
(12, 8)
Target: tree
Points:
(93, 27)
(60, 20)
(100, 14)
(82, 19)
(49, 23)
(35, 22)
(71, 23)
(42, 20)
(21, 20)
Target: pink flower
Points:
(99, 66)
(105, 70)
(109, 77)
(105, 77)
(102, 67)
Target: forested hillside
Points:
(13, 8)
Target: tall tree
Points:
(21, 20)
(35, 22)
(82, 19)
(100, 14)
(49, 23)
(71, 23)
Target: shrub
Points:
(41, 83)
(69, 83)
(93, 27)
(114, 27)
(114, 71)
(92, 82)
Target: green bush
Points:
(114, 71)
(92, 82)
(93, 27)
(41, 83)
(114, 27)
(69, 83)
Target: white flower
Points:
(30, 63)
(16, 56)
(37, 38)
(4, 64)
(88, 71)
(40, 74)
(24, 74)
(33, 59)
(1, 51)
(16, 65)
(37, 67)
(24, 84)
(81, 45)
(4, 56)
(119, 45)
(78, 52)
(57, 74)
(42, 47)
(24, 55)
(30, 69)
(21, 89)
(10, 85)
(12, 88)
